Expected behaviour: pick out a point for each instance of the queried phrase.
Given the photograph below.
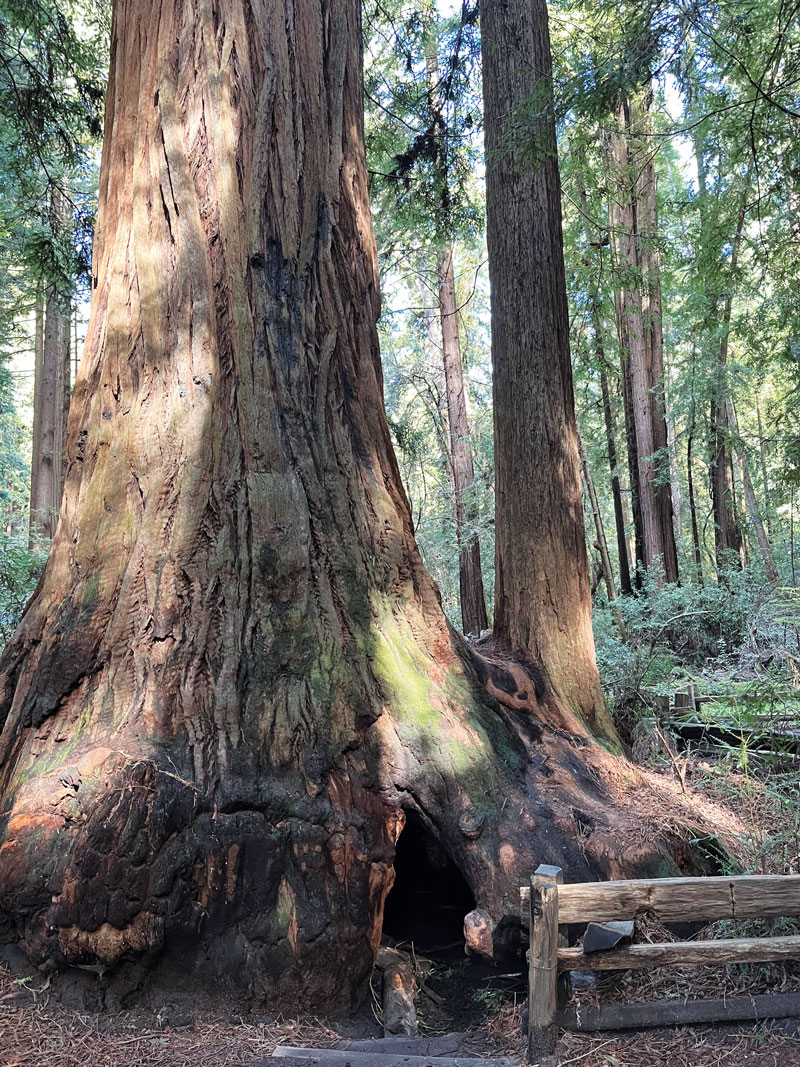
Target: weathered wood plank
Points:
(782, 897)
(681, 1013)
(543, 974)
(334, 1057)
(545, 873)
(446, 1045)
(676, 899)
(682, 954)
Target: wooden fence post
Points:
(543, 974)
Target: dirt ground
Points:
(36, 1031)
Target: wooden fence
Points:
(552, 905)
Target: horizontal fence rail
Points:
(678, 899)
(682, 954)
(680, 1012)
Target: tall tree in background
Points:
(51, 91)
(542, 598)
(716, 322)
(235, 678)
(633, 219)
(421, 134)
(51, 391)
(473, 601)
(595, 242)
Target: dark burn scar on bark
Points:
(323, 222)
(349, 395)
(286, 299)
(504, 680)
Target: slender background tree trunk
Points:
(51, 400)
(608, 416)
(751, 501)
(634, 230)
(474, 619)
(616, 489)
(647, 237)
(698, 556)
(473, 603)
(602, 543)
(34, 525)
(620, 220)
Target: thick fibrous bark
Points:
(542, 601)
(473, 603)
(235, 677)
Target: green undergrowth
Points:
(737, 642)
(20, 569)
(705, 687)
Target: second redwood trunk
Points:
(542, 598)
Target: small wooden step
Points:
(446, 1045)
(335, 1057)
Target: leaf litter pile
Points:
(37, 1031)
(762, 1045)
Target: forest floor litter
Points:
(37, 1031)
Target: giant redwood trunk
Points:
(542, 597)
(235, 680)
